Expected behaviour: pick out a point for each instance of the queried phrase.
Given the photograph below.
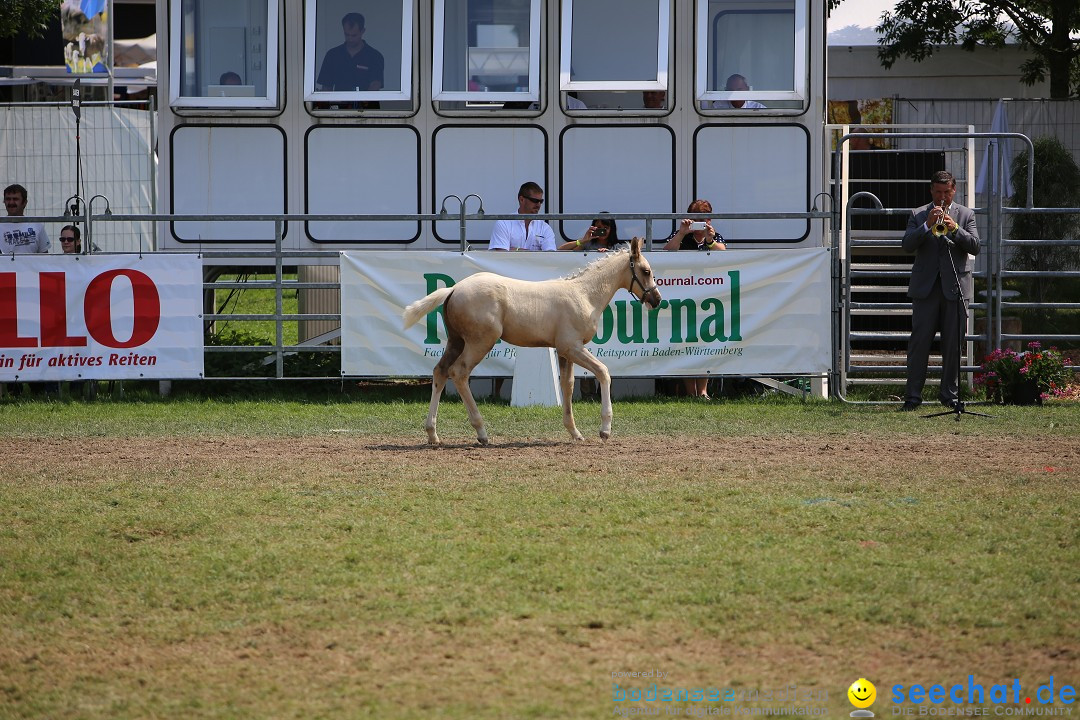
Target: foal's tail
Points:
(424, 305)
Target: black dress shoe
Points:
(909, 407)
(949, 402)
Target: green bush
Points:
(317, 364)
(235, 364)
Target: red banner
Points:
(117, 317)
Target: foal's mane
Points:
(621, 249)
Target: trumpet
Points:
(940, 229)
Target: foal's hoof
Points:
(605, 434)
(482, 441)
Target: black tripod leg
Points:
(958, 408)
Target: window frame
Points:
(801, 67)
(408, 15)
(270, 101)
(663, 51)
(438, 36)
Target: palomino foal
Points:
(562, 314)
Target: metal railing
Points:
(279, 258)
(995, 244)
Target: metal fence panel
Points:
(38, 150)
(1034, 118)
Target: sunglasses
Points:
(67, 239)
(535, 201)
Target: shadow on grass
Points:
(456, 444)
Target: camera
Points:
(597, 232)
(695, 226)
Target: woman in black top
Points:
(688, 238)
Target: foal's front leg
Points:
(587, 360)
(566, 383)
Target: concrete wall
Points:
(951, 73)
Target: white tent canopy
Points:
(131, 53)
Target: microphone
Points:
(76, 100)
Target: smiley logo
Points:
(862, 693)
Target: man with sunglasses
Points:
(524, 234)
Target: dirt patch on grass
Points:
(825, 455)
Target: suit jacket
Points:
(931, 261)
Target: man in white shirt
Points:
(20, 237)
(737, 83)
(524, 234)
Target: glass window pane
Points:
(487, 50)
(653, 100)
(755, 42)
(754, 53)
(359, 56)
(629, 55)
(224, 52)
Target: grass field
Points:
(311, 557)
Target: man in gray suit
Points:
(933, 291)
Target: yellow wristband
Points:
(712, 241)
(580, 244)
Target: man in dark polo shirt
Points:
(354, 65)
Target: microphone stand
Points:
(958, 407)
(76, 109)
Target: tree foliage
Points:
(27, 17)
(1050, 29)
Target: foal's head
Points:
(641, 276)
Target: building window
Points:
(223, 53)
(354, 60)
(486, 53)
(614, 68)
(751, 55)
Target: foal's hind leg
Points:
(459, 373)
(454, 345)
(566, 384)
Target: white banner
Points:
(107, 317)
(736, 312)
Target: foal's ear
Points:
(635, 246)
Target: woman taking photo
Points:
(601, 236)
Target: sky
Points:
(864, 13)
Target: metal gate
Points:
(877, 287)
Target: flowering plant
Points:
(1007, 373)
